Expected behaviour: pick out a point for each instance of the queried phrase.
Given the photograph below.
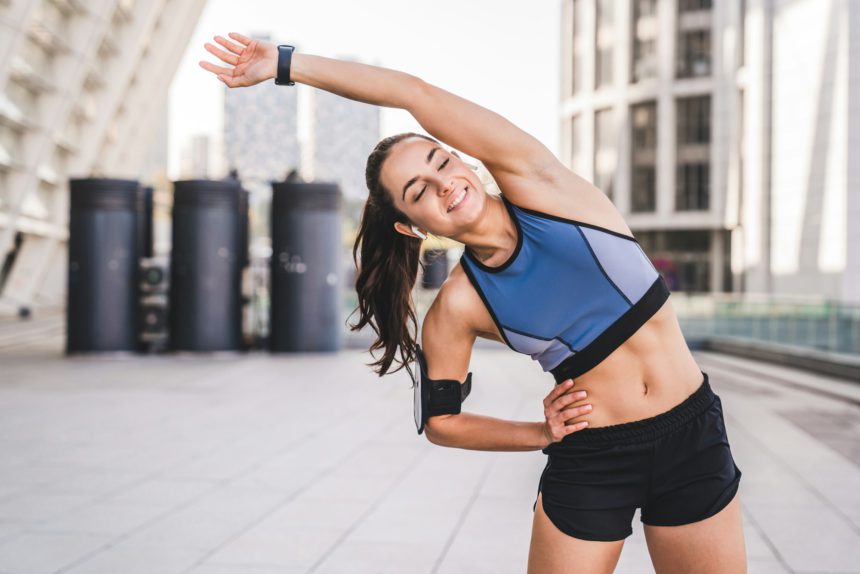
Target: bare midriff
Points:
(650, 373)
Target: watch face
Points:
(414, 369)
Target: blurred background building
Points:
(83, 88)
(196, 157)
(344, 133)
(721, 132)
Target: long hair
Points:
(388, 267)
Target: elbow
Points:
(437, 429)
(431, 434)
(431, 437)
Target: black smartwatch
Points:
(285, 56)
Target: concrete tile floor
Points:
(310, 463)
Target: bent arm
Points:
(448, 335)
(478, 432)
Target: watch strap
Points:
(285, 57)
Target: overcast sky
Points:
(501, 54)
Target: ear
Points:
(404, 229)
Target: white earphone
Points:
(418, 232)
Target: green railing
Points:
(812, 322)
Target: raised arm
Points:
(460, 123)
(481, 133)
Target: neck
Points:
(494, 237)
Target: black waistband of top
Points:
(614, 335)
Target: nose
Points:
(447, 185)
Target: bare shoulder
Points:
(459, 301)
(456, 302)
(556, 190)
(448, 331)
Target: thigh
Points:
(554, 552)
(714, 545)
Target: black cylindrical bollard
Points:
(244, 229)
(305, 268)
(205, 274)
(145, 222)
(104, 248)
(435, 268)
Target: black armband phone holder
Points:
(435, 396)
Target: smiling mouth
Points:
(458, 200)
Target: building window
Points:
(692, 185)
(694, 5)
(644, 40)
(644, 157)
(604, 37)
(682, 257)
(604, 150)
(578, 48)
(694, 38)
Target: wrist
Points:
(272, 63)
(283, 75)
(273, 70)
(543, 440)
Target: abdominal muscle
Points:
(650, 373)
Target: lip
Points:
(462, 201)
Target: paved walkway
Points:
(310, 463)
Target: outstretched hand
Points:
(253, 61)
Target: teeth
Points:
(457, 201)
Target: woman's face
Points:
(433, 179)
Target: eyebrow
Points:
(414, 179)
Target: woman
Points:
(550, 269)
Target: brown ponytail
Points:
(388, 267)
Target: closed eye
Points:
(441, 167)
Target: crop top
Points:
(570, 293)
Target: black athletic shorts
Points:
(676, 466)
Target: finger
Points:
(575, 427)
(557, 391)
(216, 69)
(569, 398)
(235, 48)
(244, 40)
(229, 58)
(576, 411)
(566, 416)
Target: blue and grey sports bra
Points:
(570, 293)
